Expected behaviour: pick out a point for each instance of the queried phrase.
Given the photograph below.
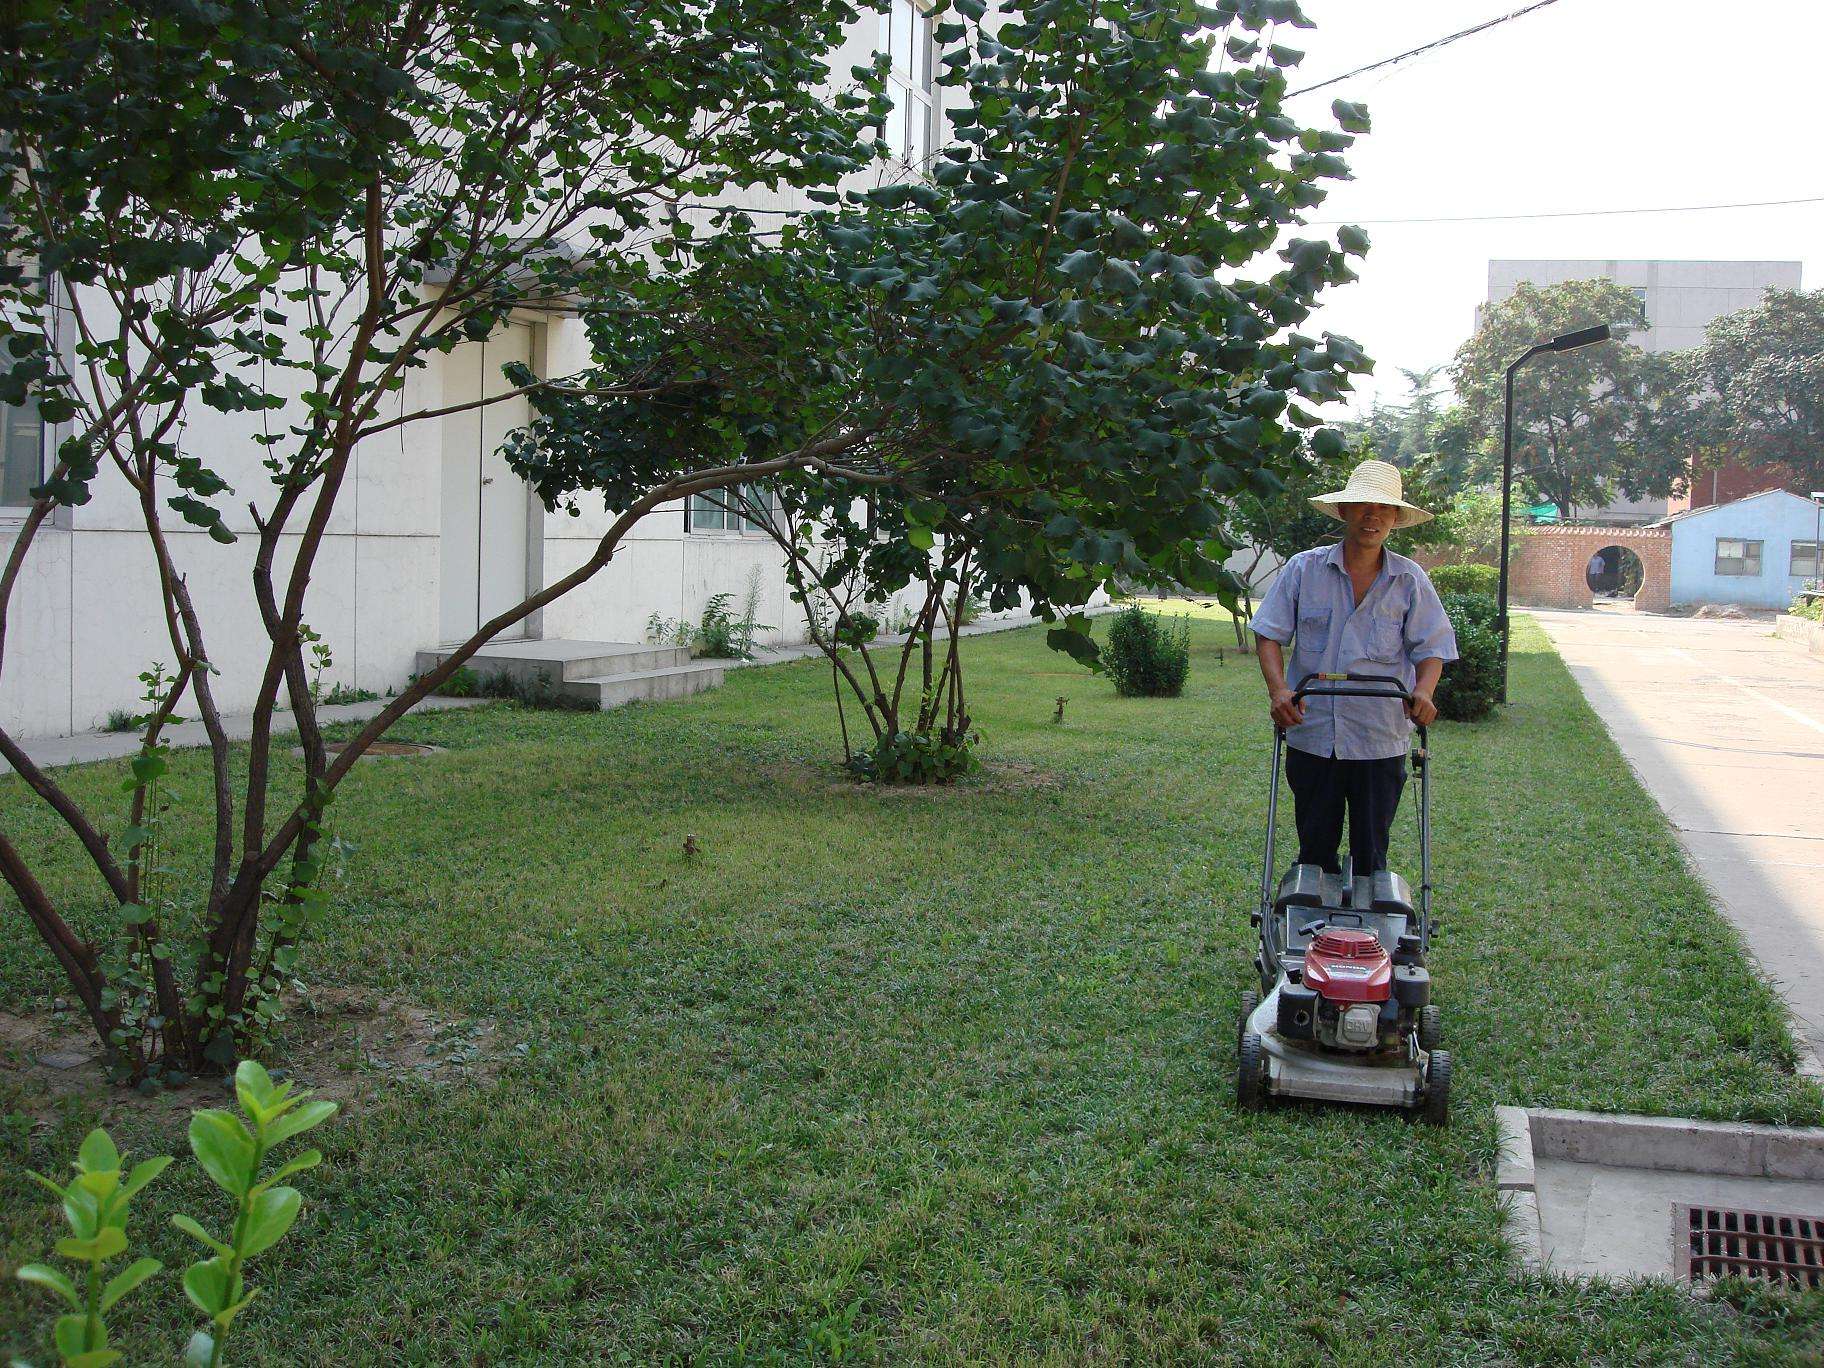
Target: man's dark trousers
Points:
(1322, 785)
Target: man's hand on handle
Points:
(1287, 712)
(1421, 709)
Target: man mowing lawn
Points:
(1354, 608)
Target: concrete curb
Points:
(805, 650)
(1666, 1143)
(1517, 1182)
(1802, 631)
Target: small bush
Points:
(126, 720)
(1148, 656)
(1811, 609)
(1466, 579)
(1471, 684)
(916, 758)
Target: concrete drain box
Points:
(1597, 1195)
(1720, 1242)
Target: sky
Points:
(1586, 104)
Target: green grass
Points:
(946, 1077)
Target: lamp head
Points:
(1583, 337)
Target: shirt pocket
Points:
(1385, 640)
(1313, 634)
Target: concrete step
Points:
(628, 686)
(561, 661)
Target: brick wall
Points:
(1550, 563)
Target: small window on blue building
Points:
(1804, 560)
(1736, 556)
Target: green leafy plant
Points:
(906, 757)
(1147, 655)
(1470, 686)
(121, 720)
(232, 1151)
(463, 683)
(1466, 579)
(1811, 609)
(95, 1205)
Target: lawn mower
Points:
(1347, 1015)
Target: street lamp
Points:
(1583, 337)
(1817, 545)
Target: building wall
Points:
(1680, 298)
(1775, 519)
(1550, 565)
(85, 619)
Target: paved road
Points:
(1724, 723)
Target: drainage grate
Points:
(1719, 1242)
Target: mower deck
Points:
(1301, 1071)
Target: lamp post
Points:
(1817, 540)
(1583, 337)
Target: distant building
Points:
(1756, 552)
(1678, 300)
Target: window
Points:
(708, 513)
(1640, 306)
(905, 37)
(1737, 557)
(1804, 560)
(21, 441)
(21, 453)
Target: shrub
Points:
(916, 758)
(232, 1152)
(1471, 684)
(1146, 655)
(1811, 608)
(1466, 579)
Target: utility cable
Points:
(1429, 47)
(1572, 213)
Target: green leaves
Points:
(95, 1207)
(127, 1279)
(225, 1150)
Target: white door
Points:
(485, 505)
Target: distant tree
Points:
(1402, 433)
(1587, 423)
(1755, 388)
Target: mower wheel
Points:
(1250, 1073)
(1437, 1089)
(1249, 1001)
(1431, 1029)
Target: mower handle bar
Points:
(1351, 686)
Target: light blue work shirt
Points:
(1398, 623)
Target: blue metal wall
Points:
(1776, 519)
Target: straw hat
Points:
(1373, 482)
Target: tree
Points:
(1047, 348)
(1755, 388)
(1584, 420)
(230, 206)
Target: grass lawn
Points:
(945, 1077)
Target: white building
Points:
(1677, 300)
(432, 535)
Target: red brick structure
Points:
(1550, 564)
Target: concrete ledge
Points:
(1807, 633)
(1675, 1143)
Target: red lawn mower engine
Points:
(1350, 978)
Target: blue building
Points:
(1756, 552)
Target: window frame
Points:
(916, 90)
(699, 504)
(1744, 558)
(12, 512)
(1792, 559)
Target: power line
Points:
(1571, 213)
(1429, 47)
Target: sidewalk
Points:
(1724, 724)
(84, 747)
